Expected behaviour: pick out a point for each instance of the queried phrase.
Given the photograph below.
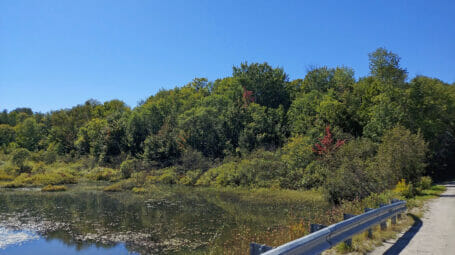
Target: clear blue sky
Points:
(57, 54)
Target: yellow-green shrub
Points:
(169, 176)
(223, 175)
(53, 188)
(120, 186)
(190, 177)
(52, 178)
(405, 189)
(139, 190)
(104, 174)
(425, 182)
(39, 168)
(5, 177)
(116, 187)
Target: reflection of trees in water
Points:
(104, 219)
(68, 240)
(170, 221)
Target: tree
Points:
(297, 154)
(164, 147)
(91, 138)
(323, 79)
(264, 127)
(202, 129)
(348, 172)
(7, 134)
(384, 115)
(19, 157)
(310, 113)
(327, 144)
(268, 85)
(302, 114)
(385, 66)
(431, 108)
(402, 155)
(29, 134)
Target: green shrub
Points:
(190, 177)
(120, 186)
(169, 176)
(261, 169)
(128, 167)
(5, 177)
(52, 178)
(116, 187)
(425, 182)
(224, 175)
(405, 189)
(39, 168)
(19, 157)
(349, 173)
(53, 188)
(402, 154)
(104, 174)
(192, 160)
(13, 184)
(23, 178)
(139, 190)
(152, 179)
(49, 156)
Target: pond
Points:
(170, 220)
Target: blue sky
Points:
(57, 54)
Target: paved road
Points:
(434, 234)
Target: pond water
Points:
(172, 220)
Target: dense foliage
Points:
(329, 130)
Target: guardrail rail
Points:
(323, 238)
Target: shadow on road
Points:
(446, 195)
(403, 241)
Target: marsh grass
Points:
(54, 188)
(42, 179)
(298, 223)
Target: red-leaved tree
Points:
(247, 96)
(327, 144)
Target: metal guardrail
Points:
(327, 237)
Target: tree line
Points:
(259, 128)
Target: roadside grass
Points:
(327, 215)
(299, 225)
(361, 244)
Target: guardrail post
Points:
(316, 227)
(348, 242)
(257, 249)
(394, 201)
(393, 220)
(384, 223)
(370, 230)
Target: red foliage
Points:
(326, 144)
(247, 96)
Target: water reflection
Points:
(169, 221)
(9, 237)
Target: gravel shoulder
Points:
(434, 233)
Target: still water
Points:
(171, 220)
